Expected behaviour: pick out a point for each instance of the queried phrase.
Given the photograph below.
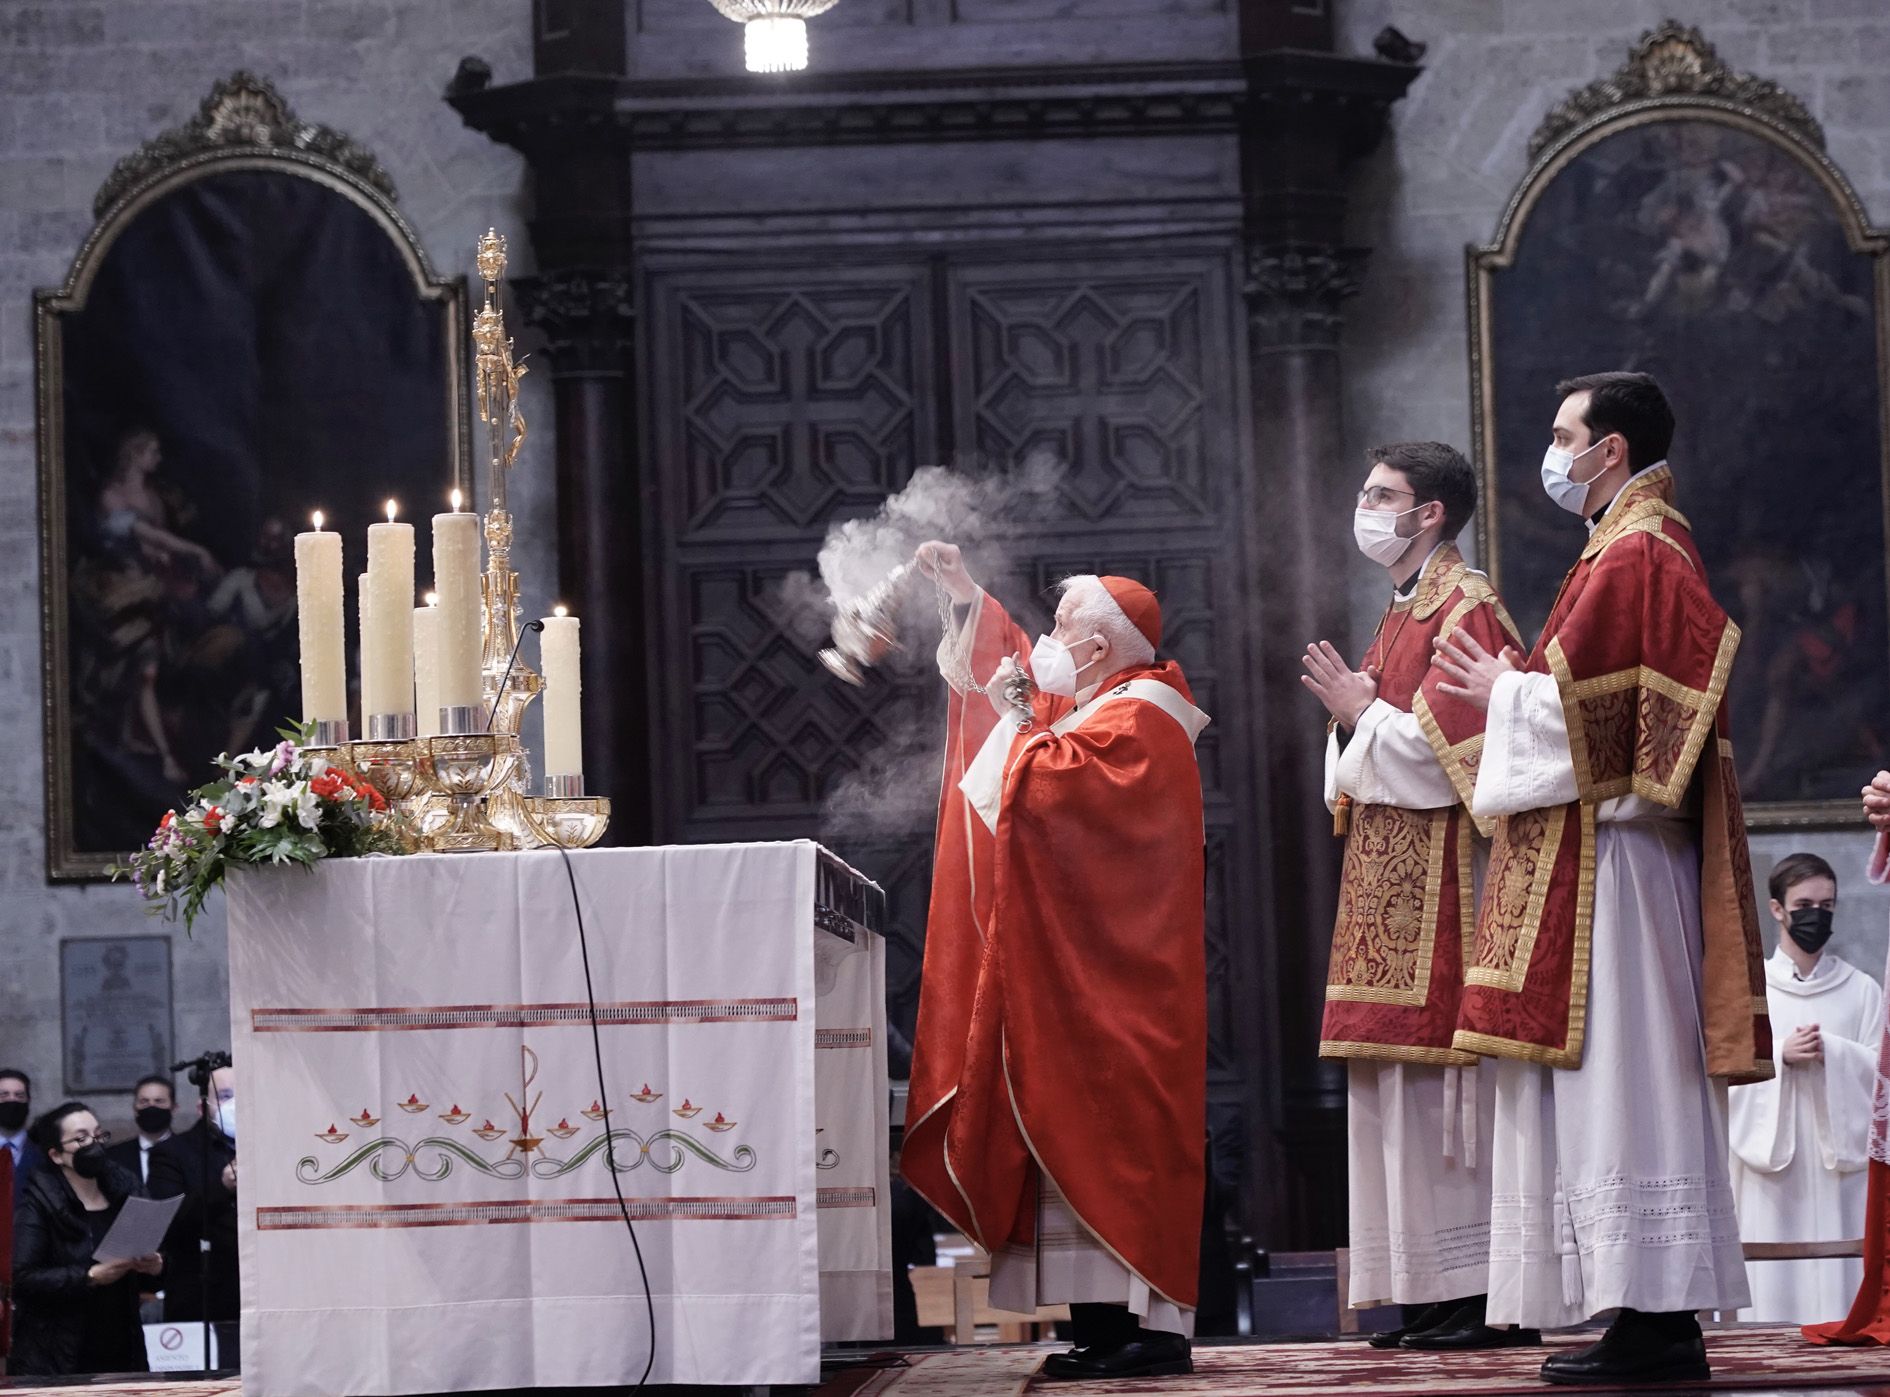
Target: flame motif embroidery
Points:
(455, 1116)
(596, 1112)
(488, 1131)
(687, 1111)
(365, 1119)
(413, 1105)
(721, 1122)
(563, 1130)
(646, 1096)
(331, 1135)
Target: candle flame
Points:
(392, 510)
(558, 611)
(317, 517)
(433, 598)
(457, 497)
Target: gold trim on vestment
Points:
(1389, 1052)
(1702, 703)
(1004, 1059)
(1368, 920)
(1511, 977)
(1568, 1057)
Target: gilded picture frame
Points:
(250, 330)
(1684, 219)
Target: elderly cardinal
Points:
(1057, 1109)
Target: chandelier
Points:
(774, 32)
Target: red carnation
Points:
(328, 785)
(170, 818)
(375, 798)
(212, 818)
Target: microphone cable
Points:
(603, 1102)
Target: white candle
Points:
(564, 723)
(318, 613)
(426, 667)
(456, 579)
(361, 648)
(387, 686)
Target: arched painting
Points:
(1683, 220)
(251, 332)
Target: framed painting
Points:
(115, 1014)
(250, 332)
(1684, 220)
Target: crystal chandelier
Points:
(774, 32)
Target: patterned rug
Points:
(1762, 1357)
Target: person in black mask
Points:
(153, 1102)
(16, 1104)
(74, 1314)
(200, 1164)
(1800, 1142)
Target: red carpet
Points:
(1768, 1358)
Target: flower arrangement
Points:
(280, 806)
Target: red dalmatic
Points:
(1406, 895)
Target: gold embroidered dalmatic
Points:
(1640, 653)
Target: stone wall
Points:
(1457, 150)
(82, 84)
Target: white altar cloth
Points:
(425, 1203)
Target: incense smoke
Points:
(892, 787)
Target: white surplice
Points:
(1611, 1182)
(1800, 1142)
(1418, 1170)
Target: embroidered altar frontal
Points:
(426, 1175)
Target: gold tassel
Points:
(1342, 817)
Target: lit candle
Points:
(457, 628)
(426, 666)
(318, 611)
(387, 684)
(564, 725)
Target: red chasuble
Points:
(1062, 1017)
(1641, 653)
(1407, 903)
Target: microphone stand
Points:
(200, 1070)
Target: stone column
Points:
(1307, 119)
(588, 320)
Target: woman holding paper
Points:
(74, 1314)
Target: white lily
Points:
(278, 798)
(307, 809)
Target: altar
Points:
(426, 1193)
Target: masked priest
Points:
(1057, 1110)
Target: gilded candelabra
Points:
(472, 792)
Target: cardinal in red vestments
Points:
(1057, 1112)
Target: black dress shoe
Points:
(1465, 1330)
(1148, 1355)
(1430, 1317)
(1633, 1350)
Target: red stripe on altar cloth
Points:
(315, 1217)
(410, 1018)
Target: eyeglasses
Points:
(83, 1138)
(1378, 496)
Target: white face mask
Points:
(1558, 478)
(1376, 533)
(1053, 667)
(226, 1117)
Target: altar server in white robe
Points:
(1801, 1141)
(1618, 968)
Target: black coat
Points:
(178, 1166)
(62, 1322)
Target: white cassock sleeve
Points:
(1526, 763)
(1843, 1109)
(1387, 762)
